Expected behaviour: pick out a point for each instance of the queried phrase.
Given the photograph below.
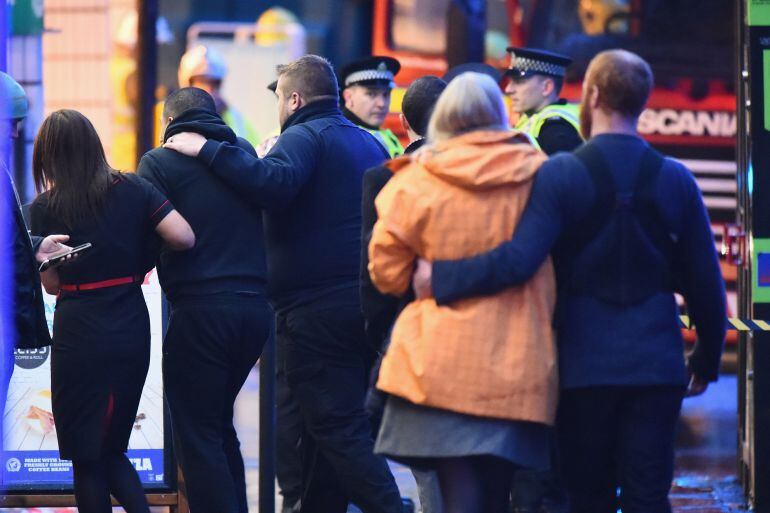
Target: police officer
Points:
(366, 87)
(205, 69)
(535, 81)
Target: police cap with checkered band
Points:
(374, 71)
(526, 62)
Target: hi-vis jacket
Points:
(388, 139)
(532, 125)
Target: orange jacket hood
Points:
(478, 160)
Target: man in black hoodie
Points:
(380, 310)
(220, 318)
(310, 186)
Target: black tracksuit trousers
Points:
(618, 438)
(326, 361)
(211, 345)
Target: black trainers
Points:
(407, 505)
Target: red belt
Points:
(101, 284)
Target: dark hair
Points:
(558, 83)
(311, 76)
(188, 98)
(419, 101)
(68, 160)
(624, 81)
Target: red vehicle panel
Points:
(691, 112)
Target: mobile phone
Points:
(57, 260)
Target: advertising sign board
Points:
(31, 457)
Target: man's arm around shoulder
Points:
(517, 260)
(246, 146)
(271, 182)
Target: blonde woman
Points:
(473, 385)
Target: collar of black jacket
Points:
(414, 146)
(313, 110)
(202, 122)
(356, 120)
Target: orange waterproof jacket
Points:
(489, 356)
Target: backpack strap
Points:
(647, 179)
(646, 204)
(603, 204)
(640, 202)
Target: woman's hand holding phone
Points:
(51, 246)
(63, 257)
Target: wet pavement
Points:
(706, 470)
(706, 463)
(706, 466)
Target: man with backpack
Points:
(626, 228)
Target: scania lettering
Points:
(687, 122)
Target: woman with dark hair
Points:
(101, 330)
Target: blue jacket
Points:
(310, 187)
(600, 343)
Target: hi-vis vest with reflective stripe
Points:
(240, 126)
(532, 125)
(388, 139)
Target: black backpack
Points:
(621, 250)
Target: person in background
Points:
(626, 228)
(101, 327)
(220, 318)
(279, 27)
(267, 144)
(124, 85)
(477, 67)
(205, 68)
(22, 312)
(366, 87)
(380, 310)
(310, 187)
(473, 388)
(535, 79)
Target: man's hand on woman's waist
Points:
(421, 280)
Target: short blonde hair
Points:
(472, 101)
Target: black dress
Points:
(101, 332)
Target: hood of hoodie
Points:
(483, 159)
(201, 122)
